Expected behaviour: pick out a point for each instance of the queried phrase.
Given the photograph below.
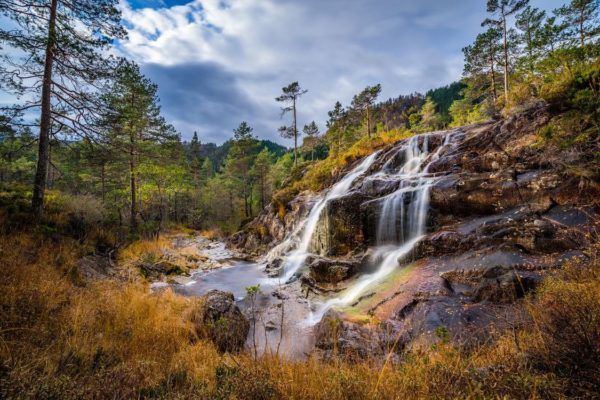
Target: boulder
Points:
(222, 322)
(274, 268)
(159, 269)
(501, 286)
(328, 270)
(335, 336)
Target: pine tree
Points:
(581, 18)
(530, 23)
(290, 96)
(481, 57)
(239, 162)
(59, 64)
(363, 102)
(502, 9)
(260, 172)
(134, 124)
(430, 118)
(311, 137)
(550, 35)
(207, 170)
(335, 128)
(195, 158)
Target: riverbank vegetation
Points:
(63, 337)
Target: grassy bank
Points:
(61, 338)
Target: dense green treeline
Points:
(107, 141)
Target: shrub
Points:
(567, 324)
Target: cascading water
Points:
(295, 260)
(393, 210)
(402, 220)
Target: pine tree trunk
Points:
(295, 135)
(581, 30)
(41, 173)
(505, 60)
(103, 180)
(132, 181)
(530, 50)
(368, 123)
(494, 93)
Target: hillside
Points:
(493, 215)
(218, 153)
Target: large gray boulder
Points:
(222, 321)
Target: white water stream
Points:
(401, 225)
(295, 260)
(402, 221)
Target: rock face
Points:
(271, 226)
(335, 336)
(340, 229)
(223, 322)
(502, 212)
(496, 283)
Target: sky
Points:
(220, 62)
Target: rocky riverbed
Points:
(276, 313)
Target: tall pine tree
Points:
(363, 103)
(291, 94)
(134, 123)
(502, 9)
(60, 64)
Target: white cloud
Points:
(332, 47)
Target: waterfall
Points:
(295, 260)
(402, 220)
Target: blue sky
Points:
(156, 3)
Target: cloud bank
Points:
(219, 62)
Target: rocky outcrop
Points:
(271, 226)
(336, 336)
(533, 232)
(222, 322)
(503, 211)
(493, 283)
(339, 232)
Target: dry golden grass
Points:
(59, 340)
(211, 234)
(147, 248)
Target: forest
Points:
(97, 188)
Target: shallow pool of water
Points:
(235, 278)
